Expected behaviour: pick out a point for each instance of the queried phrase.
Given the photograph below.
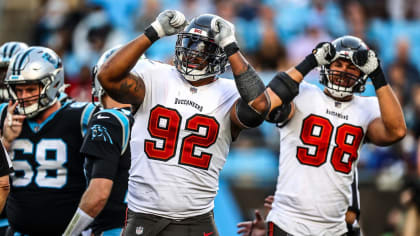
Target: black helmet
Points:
(349, 83)
(197, 56)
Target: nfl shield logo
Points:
(338, 104)
(139, 230)
(193, 90)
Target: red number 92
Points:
(164, 125)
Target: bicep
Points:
(130, 90)
(377, 133)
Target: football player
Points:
(107, 151)
(43, 137)
(322, 131)
(5, 170)
(185, 121)
(7, 51)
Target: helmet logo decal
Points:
(198, 31)
(35, 65)
(50, 59)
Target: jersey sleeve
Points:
(107, 135)
(155, 78)
(105, 141)
(87, 113)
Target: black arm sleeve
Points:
(101, 168)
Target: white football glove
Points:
(366, 61)
(169, 22)
(225, 32)
(324, 53)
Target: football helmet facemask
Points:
(339, 83)
(97, 89)
(35, 65)
(197, 56)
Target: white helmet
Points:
(7, 51)
(97, 90)
(39, 65)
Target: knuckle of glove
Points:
(177, 20)
(321, 56)
(360, 58)
(330, 50)
(366, 61)
(324, 52)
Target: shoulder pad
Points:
(124, 121)
(86, 115)
(77, 104)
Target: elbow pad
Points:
(284, 86)
(249, 117)
(280, 113)
(249, 84)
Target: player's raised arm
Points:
(258, 102)
(390, 127)
(115, 75)
(251, 109)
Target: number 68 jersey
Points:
(49, 180)
(180, 140)
(319, 151)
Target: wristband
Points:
(231, 49)
(378, 78)
(151, 33)
(78, 223)
(307, 64)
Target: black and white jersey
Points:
(49, 179)
(107, 151)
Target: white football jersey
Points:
(319, 151)
(180, 140)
